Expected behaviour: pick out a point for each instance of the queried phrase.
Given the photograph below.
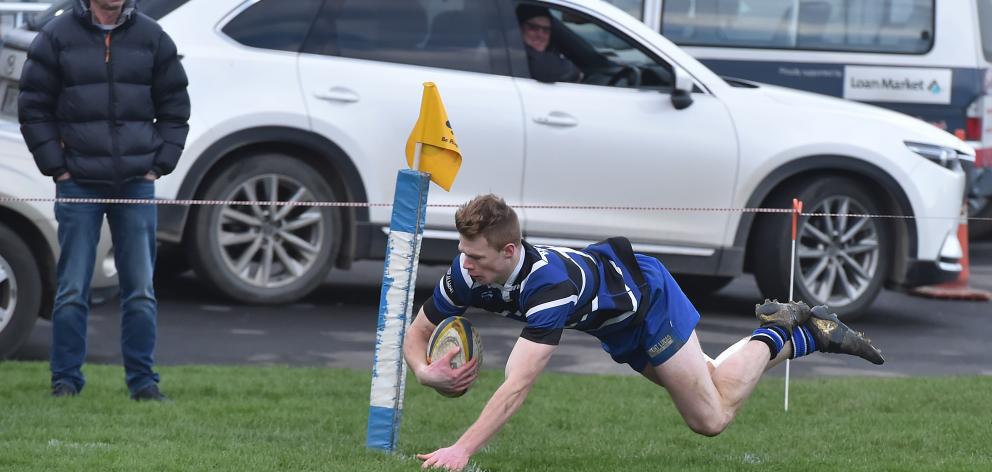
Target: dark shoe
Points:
(786, 315)
(831, 335)
(149, 393)
(63, 389)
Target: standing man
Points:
(628, 301)
(103, 107)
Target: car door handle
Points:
(338, 94)
(556, 118)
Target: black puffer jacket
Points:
(105, 106)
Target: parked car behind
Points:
(312, 100)
(29, 246)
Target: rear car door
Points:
(362, 70)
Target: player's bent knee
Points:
(709, 425)
(709, 430)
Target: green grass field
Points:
(294, 419)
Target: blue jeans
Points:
(132, 228)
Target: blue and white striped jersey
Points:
(596, 290)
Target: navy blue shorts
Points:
(667, 325)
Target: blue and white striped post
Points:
(406, 230)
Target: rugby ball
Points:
(455, 332)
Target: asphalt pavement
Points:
(335, 327)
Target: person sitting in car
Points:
(546, 63)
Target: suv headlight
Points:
(940, 155)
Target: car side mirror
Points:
(682, 93)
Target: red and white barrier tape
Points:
(134, 201)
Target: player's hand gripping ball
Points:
(455, 332)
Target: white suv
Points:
(314, 99)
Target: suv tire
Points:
(20, 291)
(265, 253)
(840, 262)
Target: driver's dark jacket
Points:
(107, 107)
(551, 66)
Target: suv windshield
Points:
(156, 9)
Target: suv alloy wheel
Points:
(841, 261)
(20, 291)
(264, 253)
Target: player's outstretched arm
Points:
(526, 362)
(438, 375)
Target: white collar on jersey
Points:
(508, 287)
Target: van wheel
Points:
(20, 291)
(261, 253)
(841, 261)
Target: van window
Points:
(885, 26)
(450, 34)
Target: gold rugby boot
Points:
(831, 335)
(787, 315)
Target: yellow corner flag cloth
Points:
(439, 154)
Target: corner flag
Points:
(439, 153)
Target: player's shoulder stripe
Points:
(551, 304)
(456, 283)
(576, 272)
(443, 290)
(463, 272)
(540, 262)
(549, 293)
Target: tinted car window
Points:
(604, 56)
(274, 24)
(452, 34)
(156, 9)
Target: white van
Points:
(925, 58)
